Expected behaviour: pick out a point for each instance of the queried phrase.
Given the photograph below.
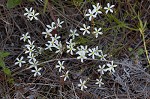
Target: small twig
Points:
(74, 91)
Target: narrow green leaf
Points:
(13, 3)
(130, 49)
(11, 80)
(45, 6)
(4, 54)
(145, 24)
(2, 64)
(140, 51)
(7, 71)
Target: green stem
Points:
(146, 52)
(45, 5)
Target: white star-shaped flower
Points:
(111, 67)
(55, 37)
(109, 8)
(36, 71)
(99, 82)
(92, 52)
(30, 50)
(30, 44)
(33, 15)
(102, 56)
(85, 29)
(59, 23)
(73, 33)
(33, 63)
(51, 44)
(20, 61)
(101, 69)
(65, 75)
(96, 9)
(28, 12)
(82, 55)
(60, 65)
(31, 57)
(82, 84)
(52, 26)
(47, 33)
(90, 14)
(83, 48)
(59, 47)
(97, 51)
(97, 32)
(25, 37)
(70, 47)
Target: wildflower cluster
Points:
(32, 52)
(54, 43)
(95, 52)
(96, 10)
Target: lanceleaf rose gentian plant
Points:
(54, 43)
